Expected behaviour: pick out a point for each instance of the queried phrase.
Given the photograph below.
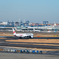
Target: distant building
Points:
(45, 22)
(21, 23)
(16, 24)
(10, 24)
(3, 24)
(27, 23)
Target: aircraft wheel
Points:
(20, 37)
(25, 37)
(29, 36)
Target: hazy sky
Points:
(32, 10)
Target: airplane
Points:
(49, 31)
(23, 35)
(46, 31)
(36, 30)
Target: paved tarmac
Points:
(28, 44)
(12, 37)
(38, 37)
(27, 56)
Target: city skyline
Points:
(32, 10)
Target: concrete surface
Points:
(27, 56)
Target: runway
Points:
(12, 37)
(3, 42)
(29, 44)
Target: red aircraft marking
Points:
(13, 31)
(21, 35)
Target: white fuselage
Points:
(24, 35)
(36, 30)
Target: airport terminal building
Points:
(7, 26)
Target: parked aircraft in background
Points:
(49, 31)
(36, 30)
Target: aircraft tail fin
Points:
(14, 33)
